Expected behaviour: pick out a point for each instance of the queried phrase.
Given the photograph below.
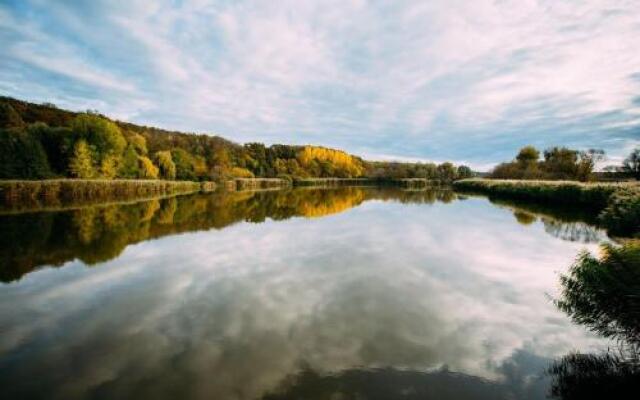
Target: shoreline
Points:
(617, 205)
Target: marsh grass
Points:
(617, 205)
(411, 183)
(18, 194)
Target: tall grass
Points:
(617, 204)
(401, 182)
(61, 192)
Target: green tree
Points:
(528, 155)
(129, 166)
(165, 163)
(104, 136)
(22, 156)
(184, 164)
(81, 165)
(446, 172)
(464, 172)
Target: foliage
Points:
(139, 144)
(119, 145)
(129, 166)
(527, 155)
(165, 164)
(104, 136)
(9, 118)
(464, 172)
(618, 204)
(81, 164)
(184, 164)
(622, 214)
(147, 169)
(109, 167)
(237, 172)
(602, 294)
(560, 163)
(22, 156)
(323, 162)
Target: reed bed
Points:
(258, 183)
(69, 192)
(402, 182)
(617, 204)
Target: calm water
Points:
(306, 293)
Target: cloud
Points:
(438, 80)
(235, 311)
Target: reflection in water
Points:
(564, 223)
(448, 297)
(390, 383)
(97, 234)
(604, 295)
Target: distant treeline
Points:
(40, 141)
(561, 163)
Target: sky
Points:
(465, 81)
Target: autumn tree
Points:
(165, 164)
(147, 169)
(104, 137)
(81, 164)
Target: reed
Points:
(616, 204)
(65, 192)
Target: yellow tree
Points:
(81, 165)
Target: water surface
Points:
(306, 293)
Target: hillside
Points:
(42, 141)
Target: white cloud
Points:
(346, 73)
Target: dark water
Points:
(309, 293)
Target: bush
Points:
(622, 214)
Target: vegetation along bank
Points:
(617, 204)
(65, 192)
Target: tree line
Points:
(561, 163)
(40, 141)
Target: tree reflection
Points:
(99, 233)
(387, 383)
(560, 222)
(604, 295)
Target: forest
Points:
(40, 141)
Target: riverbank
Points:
(405, 182)
(616, 204)
(21, 194)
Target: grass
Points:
(401, 182)
(65, 192)
(616, 204)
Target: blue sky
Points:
(468, 81)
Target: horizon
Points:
(467, 83)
